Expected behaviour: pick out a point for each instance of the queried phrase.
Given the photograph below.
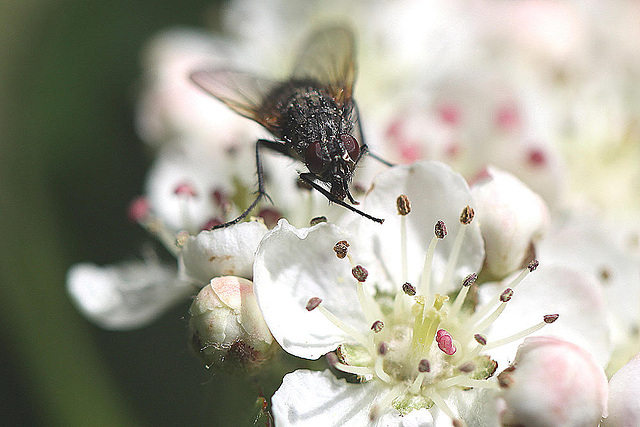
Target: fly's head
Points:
(334, 166)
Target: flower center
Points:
(422, 346)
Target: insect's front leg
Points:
(310, 178)
(261, 190)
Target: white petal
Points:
(585, 244)
(511, 218)
(309, 398)
(576, 297)
(624, 396)
(125, 296)
(293, 266)
(436, 193)
(223, 252)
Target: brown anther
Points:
(181, 238)
(313, 303)
(341, 248)
(424, 366)
(382, 349)
(506, 295)
(403, 204)
(317, 220)
(505, 378)
(533, 265)
(409, 289)
(377, 326)
(457, 423)
(470, 280)
(440, 230)
(605, 274)
(550, 318)
(360, 273)
(467, 367)
(480, 339)
(467, 215)
(303, 185)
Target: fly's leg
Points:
(276, 146)
(364, 148)
(309, 178)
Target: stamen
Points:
(440, 230)
(360, 273)
(547, 319)
(357, 370)
(317, 220)
(440, 403)
(404, 207)
(504, 298)
(465, 219)
(377, 326)
(379, 370)
(341, 249)
(403, 204)
(424, 366)
(409, 289)
(313, 303)
(425, 279)
(462, 295)
(349, 330)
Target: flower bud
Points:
(512, 219)
(551, 383)
(226, 326)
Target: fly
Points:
(312, 115)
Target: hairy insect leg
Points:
(261, 191)
(364, 148)
(309, 178)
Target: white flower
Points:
(382, 296)
(132, 294)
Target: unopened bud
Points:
(221, 338)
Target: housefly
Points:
(312, 115)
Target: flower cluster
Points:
(501, 288)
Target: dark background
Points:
(70, 162)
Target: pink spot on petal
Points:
(537, 157)
(508, 117)
(185, 189)
(449, 114)
(138, 209)
(445, 342)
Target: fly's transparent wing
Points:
(328, 56)
(243, 92)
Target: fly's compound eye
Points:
(351, 145)
(313, 157)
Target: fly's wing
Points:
(243, 92)
(328, 56)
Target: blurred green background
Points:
(70, 162)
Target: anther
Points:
(467, 367)
(360, 273)
(440, 230)
(550, 318)
(505, 378)
(480, 339)
(313, 303)
(457, 423)
(382, 349)
(533, 265)
(377, 326)
(181, 239)
(185, 189)
(445, 342)
(506, 295)
(467, 215)
(403, 204)
(332, 359)
(139, 209)
(424, 366)
(470, 280)
(409, 289)
(341, 249)
(317, 220)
